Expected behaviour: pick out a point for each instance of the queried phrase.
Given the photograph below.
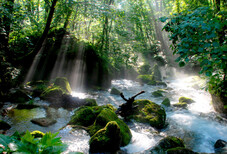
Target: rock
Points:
(63, 83)
(180, 150)
(220, 146)
(149, 112)
(90, 102)
(38, 87)
(19, 96)
(96, 118)
(156, 73)
(107, 139)
(45, 122)
(168, 143)
(185, 100)
(4, 125)
(37, 134)
(157, 93)
(166, 102)
(115, 91)
(145, 69)
(220, 104)
(148, 79)
(53, 93)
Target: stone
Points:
(220, 146)
(180, 150)
(4, 125)
(166, 102)
(115, 91)
(44, 122)
(63, 83)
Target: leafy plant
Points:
(197, 37)
(27, 143)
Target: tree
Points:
(194, 36)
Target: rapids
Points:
(199, 125)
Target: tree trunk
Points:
(47, 27)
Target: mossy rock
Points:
(37, 134)
(96, 118)
(180, 150)
(107, 115)
(90, 102)
(107, 139)
(115, 91)
(4, 125)
(149, 112)
(148, 79)
(53, 92)
(181, 105)
(63, 83)
(19, 96)
(166, 102)
(145, 69)
(185, 100)
(38, 87)
(44, 122)
(157, 93)
(156, 73)
(168, 143)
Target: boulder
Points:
(97, 117)
(156, 73)
(148, 79)
(220, 104)
(44, 122)
(149, 112)
(183, 102)
(63, 83)
(168, 143)
(115, 91)
(220, 146)
(18, 96)
(107, 139)
(166, 102)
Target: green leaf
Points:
(181, 64)
(208, 73)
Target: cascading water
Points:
(197, 125)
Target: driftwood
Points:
(126, 109)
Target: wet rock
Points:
(168, 143)
(4, 125)
(157, 93)
(180, 150)
(220, 104)
(149, 112)
(220, 146)
(115, 91)
(96, 118)
(107, 139)
(63, 83)
(44, 122)
(166, 102)
(183, 102)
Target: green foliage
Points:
(195, 37)
(27, 143)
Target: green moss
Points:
(225, 107)
(84, 116)
(107, 139)
(156, 73)
(54, 91)
(166, 102)
(107, 115)
(185, 100)
(63, 83)
(147, 79)
(181, 105)
(180, 150)
(149, 112)
(115, 91)
(145, 69)
(157, 94)
(37, 134)
(160, 60)
(91, 102)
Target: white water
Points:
(197, 125)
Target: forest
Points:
(52, 51)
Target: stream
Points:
(198, 125)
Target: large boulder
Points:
(63, 83)
(149, 112)
(107, 139)
(18, 96)
(115, 91)
(44, 122)
(97, 117)
(220, 146)
(166, 102)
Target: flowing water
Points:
(198, 125)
